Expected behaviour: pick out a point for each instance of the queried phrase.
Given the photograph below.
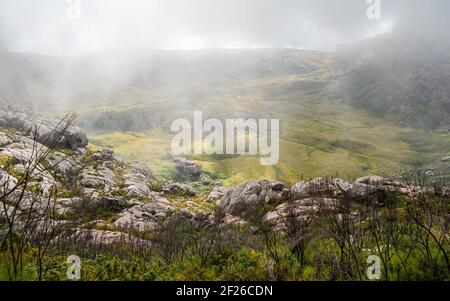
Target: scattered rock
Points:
(143, 169)
(187, 169)
(179, 189)
(206, 181)
(217, 193)
(234, 220)
(107, 154)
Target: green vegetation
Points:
(409, 236)
(325, 140)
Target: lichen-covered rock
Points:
(67, 206)
(6, 213)
(62, 163)
(44, 128)
(7, 182)
(300, 210)
(217, 193)
(90, 178)
(179, 189)
(5, 139)
(360, 190)
(313, 188)
(107, 154)
(247, 198)
(145, 217)
(373, 180)
(98, 237)
(234, 220)
(137, 183)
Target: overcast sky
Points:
(50, 27)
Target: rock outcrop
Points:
(145, 217)
(186, 169)
(181, 189)
(43, 128)
(217, 193)
(305, 199)
(247, 198)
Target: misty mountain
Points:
(12, 87)
(401, 80)
(103, 73)
(398, 80)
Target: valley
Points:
(322, 132)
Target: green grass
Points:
(321, 135)
(329, 140)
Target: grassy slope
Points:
(321, 136)
(335, 140)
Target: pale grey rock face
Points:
(20, 153)
(179, 188)
(101, 179)
(109, 177)
(90, 178)
(333, 188)
(30, 202)
(107, 154)
(217, 193)
(373, 180)
(143, 169)
(249, 197)
(6, 213)
(40, 178)
(234, 220)
(76, 138)
(5, 139)
(63, 163)
(67, 206)
(145, 217)
(31, 123)
(7, 182)
(137, 183)
(99, 237)
(316, 187)
(301, 210)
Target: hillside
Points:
(404, 81)
(12, 88)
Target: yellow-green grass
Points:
(322, 140)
